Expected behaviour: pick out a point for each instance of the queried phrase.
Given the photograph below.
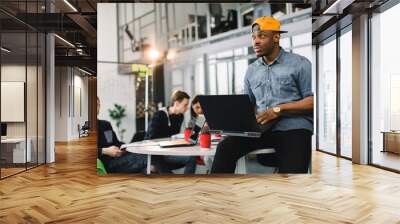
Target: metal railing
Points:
(183, 37)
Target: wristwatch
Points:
(277, 110)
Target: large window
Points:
(385, 88)
(346, 93)
(223, 78)
(327, 96)
(227, 70)
(302, 45)
(335, 73)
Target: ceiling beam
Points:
(84, 24)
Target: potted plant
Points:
(117, 114)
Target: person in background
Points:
(114, 159)
(165, 123)
(196, 112)
(195, 109)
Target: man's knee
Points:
(226, 144)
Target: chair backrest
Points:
(138, 136)
(86, 125)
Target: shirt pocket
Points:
(287, 83)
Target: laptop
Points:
(182, 142)
(233, 115)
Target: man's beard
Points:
(269, 50)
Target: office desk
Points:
(391, 141)
(151, 147)
(13, 150)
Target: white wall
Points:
(61, 103)
(67, 81)
(12, 73)
(33, 126)
(81, 114)
(113, 87)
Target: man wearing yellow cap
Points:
(279, 85)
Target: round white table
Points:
(152, 147)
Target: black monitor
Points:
(3, 129)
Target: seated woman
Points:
(108, 151)
(196, 112)
(165, 123)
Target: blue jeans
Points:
(127, 163)
(165, 164)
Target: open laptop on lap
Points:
(233, 115)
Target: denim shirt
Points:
(287, 79)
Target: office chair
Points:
(138, 136)
(84, 130)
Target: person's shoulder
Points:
(103, 124)
(252, 67)
(254, 64)
(160, 114)
(296, 58)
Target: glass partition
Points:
(385, 89)
(22, 64)
(327, 96)
(346, 94)
(15, 151)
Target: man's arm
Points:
(303, 106)
(113, 151)
(247, 88)
(102, 147)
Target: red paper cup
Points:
(205, 141)
(187, 133)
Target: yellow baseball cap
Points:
(268, 23)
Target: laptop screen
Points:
(229, 113)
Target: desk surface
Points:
(152, 148)
(390, 132)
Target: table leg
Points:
(241, 165)
(148, 164)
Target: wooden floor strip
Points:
(69, 191)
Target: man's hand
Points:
(266, 116)
(112, 151)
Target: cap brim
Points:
(280, 31)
